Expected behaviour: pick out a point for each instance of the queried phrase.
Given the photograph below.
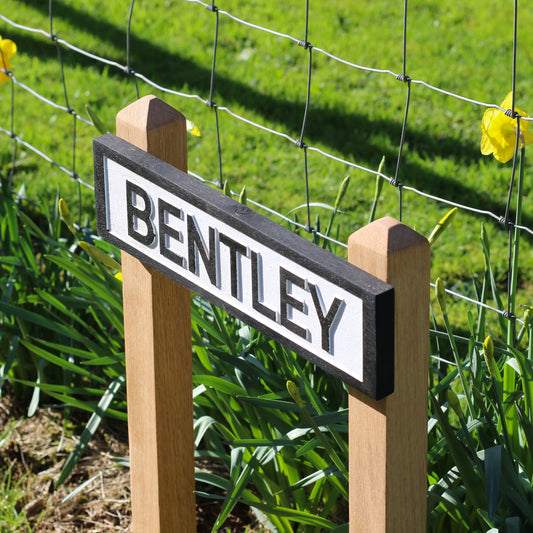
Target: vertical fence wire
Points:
(69, 110)
(513, 234)
(12, 132)
(129, 70)
(306, 45)
(211, 103)
(404, 78)
(515, 45)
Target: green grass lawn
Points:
(463, 47)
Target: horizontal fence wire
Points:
(252, 123)
(298, 142)
(46, 157)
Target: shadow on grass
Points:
(337, 129)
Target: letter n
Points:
(196, 244)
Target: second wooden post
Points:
(388, 438)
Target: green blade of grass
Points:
(301, 517)
(472, 480)
(4, 369)
(60, 362)
(242, 476)
(220, 384)
(493, 463)
(90, 429)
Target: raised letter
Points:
(195, 242)
(135, 214)
(325, 321)
(256, 304)
(234, 249)
(287, 300)
(165, 229)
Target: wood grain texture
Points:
(388, 438)
(157, 327)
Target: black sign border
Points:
(376, 295)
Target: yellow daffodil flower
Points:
(7, 50)
(192, 128)
(499, 131)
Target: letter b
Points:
(135, 214)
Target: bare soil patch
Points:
(35, 451)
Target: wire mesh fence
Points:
(305, 51)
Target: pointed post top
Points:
(393, 235)
(149, 112)
(156, 127)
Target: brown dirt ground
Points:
(35, 451)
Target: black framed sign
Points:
(315, 303)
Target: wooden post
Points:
(388, 438)
(157, 328)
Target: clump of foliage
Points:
(275, 424)
(60, 313)
(481, 419)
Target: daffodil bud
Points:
(226, 188)
(528, 316)
(243, 197)
(295, 394)
(453, 402)
(97, 123)
(342, 191)
(377, 189)
(488, 354)
(64, 211)
(99, 255)
(443, 223)
(441, 295)
(381, 165)
(485, 241)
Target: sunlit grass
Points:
(355, 115)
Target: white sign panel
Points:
(296, 292)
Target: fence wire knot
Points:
(505, 221)
(305, 44)
(403, 77)
(211, 7)
(53, 37)
(508, 315)
(512, 113)
(300, 144)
